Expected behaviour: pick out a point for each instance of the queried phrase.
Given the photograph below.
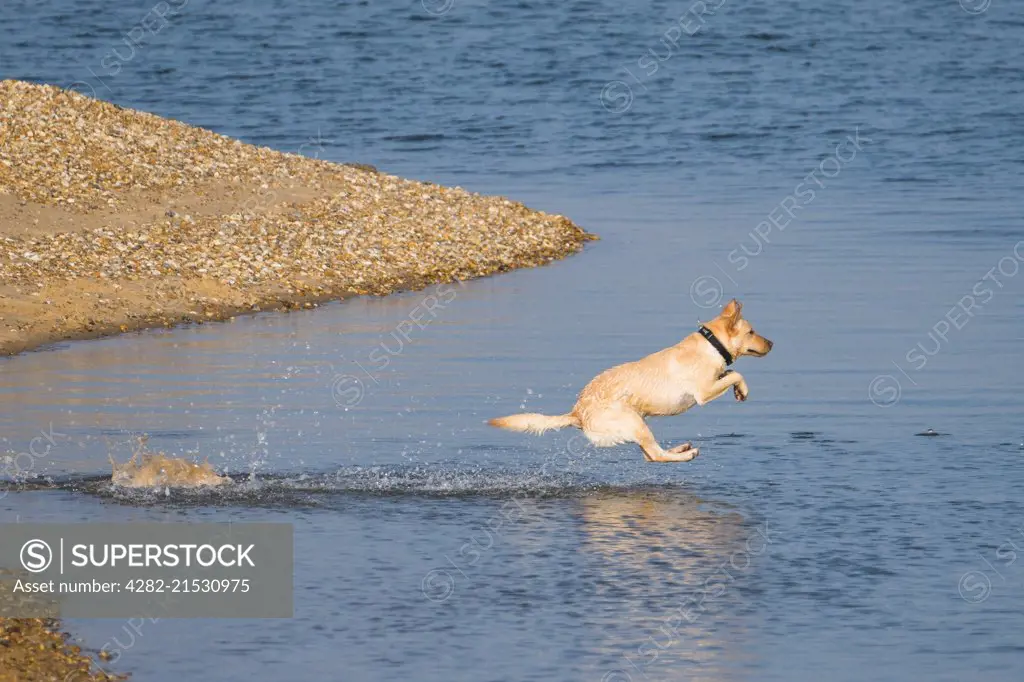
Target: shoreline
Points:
(38, 650)
(42, 341)
(115, 221)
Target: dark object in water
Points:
(929, 432)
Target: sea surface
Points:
(851, 171)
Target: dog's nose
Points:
(770, 344)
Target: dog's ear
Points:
(731, 313)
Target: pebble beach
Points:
(35, 650)
(114, 220)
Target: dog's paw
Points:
(741, 391)
(688, 455)
(683, 452)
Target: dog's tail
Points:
(534, 423)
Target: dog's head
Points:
(736, 333)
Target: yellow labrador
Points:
(611, 409)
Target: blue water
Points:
(851, 548)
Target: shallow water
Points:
(851, 545)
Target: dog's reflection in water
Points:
(155, 469)
(674, 565)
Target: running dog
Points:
(611, 409)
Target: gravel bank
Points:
(114, 220)
(35, 650)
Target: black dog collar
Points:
(713, 340)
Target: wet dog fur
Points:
(613, 407)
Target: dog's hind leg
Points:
(653, 452)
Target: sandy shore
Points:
(114, 220)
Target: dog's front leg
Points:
(729, 380)
(740, 390)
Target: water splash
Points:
(319, 489)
